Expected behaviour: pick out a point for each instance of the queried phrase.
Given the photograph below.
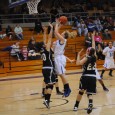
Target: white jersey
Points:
(109, 52)
(59, 48)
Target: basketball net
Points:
(32, 6)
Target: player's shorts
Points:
(109, 63)
(98, 77)
(49, 75)
(88, 83)
(60, 63)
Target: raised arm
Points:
(79, 60)
(48, 45)
(44, 35)
(58, 35)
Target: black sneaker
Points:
(46, 103)
(105, 89)
(89, 110)
(59, 93)
(110, 74)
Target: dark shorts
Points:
(88, 83)
(49, 76)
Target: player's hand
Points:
(51, 25)
(80, 51)
(45, 29)
(72, 61)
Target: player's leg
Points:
(78, 99)
(57, 87)
(91, 89)
(110, 72)
(43, 89)
(100, 81)
(103, 85)
(49, 89)
(49, 79)
(102, 72)
(67, 89)
(90, 104)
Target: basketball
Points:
(63, 19)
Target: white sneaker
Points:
(75, 108)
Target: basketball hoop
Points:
(32, 6)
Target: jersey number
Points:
(43, 56)
(90, 67)
(111, 54)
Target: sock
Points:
(48, 97)
(43, 90)
(57, 89)
(77, 104)
(90, 101)
(102, 72)
(110, 72)
(66, 86)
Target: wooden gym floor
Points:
(21, 95)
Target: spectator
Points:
(9, 32)
(38, 26)
(88, 40)
(79, 28)
(97, 38)
(32, 51)
(24, 52)
(106, 35)
(15, 51)
(19, 32)
(91, 27)
(85, 30)
(104, 45)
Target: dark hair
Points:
(66, 35)
(39, 45)
(91, 52)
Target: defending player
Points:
(48, 66)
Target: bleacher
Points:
(13, 67)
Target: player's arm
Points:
(48, 45)
(79, 60)
(57, 34)
(105, 51)
(44, 35)
(68, 59)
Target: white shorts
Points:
(109, 63)
(60, 63)
(97, 75)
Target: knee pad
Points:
(49, 87)
(81, 93)
(89, 95)
(56, 79)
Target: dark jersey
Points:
(47, 57)
(89, 66)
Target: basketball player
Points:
(58, 92)
(88, 78)
(109, 59)
(48, 66)
(59, 58)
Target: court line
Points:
(31, 77)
